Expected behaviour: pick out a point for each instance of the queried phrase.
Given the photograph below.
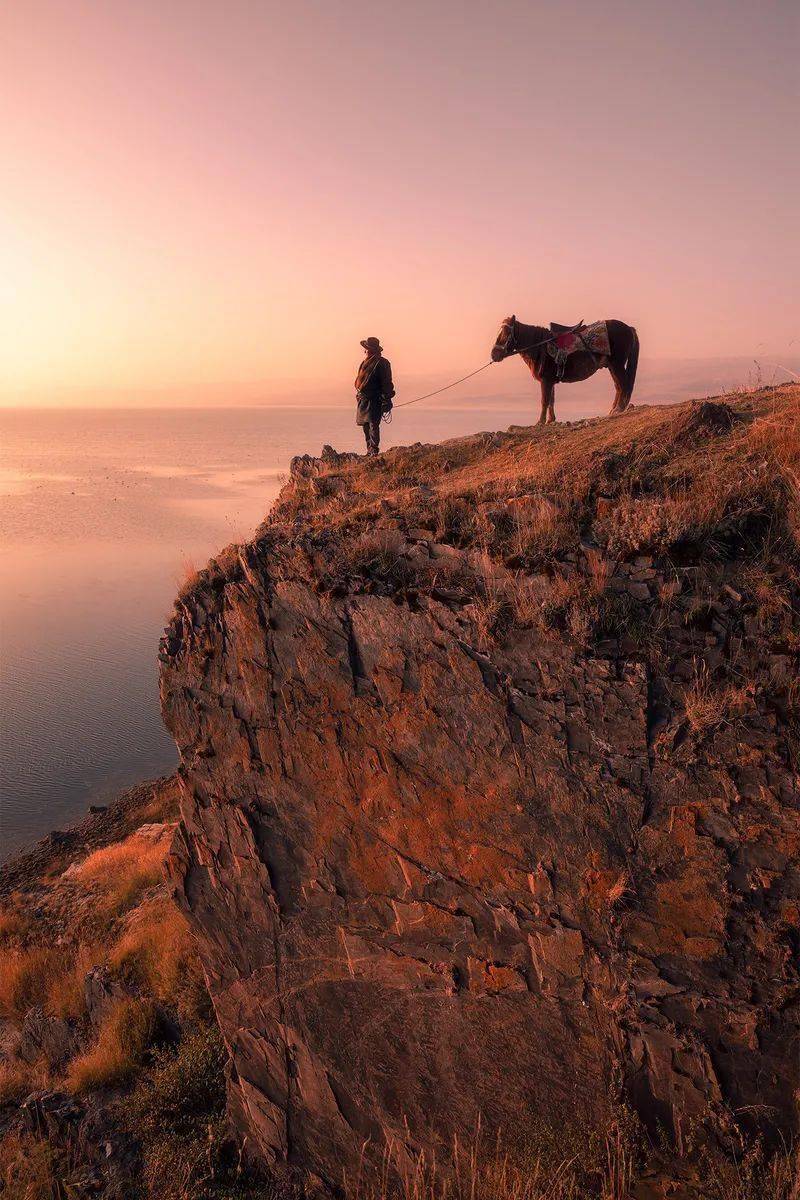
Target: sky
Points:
(208, 198)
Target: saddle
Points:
(569, 339)
(555, 328)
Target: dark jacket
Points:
(373, 386)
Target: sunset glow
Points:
(229, 196)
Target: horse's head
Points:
(506, 339)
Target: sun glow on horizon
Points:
(199, 199)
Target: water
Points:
(102, 514)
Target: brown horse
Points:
(531, 343)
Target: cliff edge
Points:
(489, 790)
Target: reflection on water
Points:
(101, 515)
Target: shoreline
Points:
(112, 822)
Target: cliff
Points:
(489, 792)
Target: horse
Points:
(531, 343)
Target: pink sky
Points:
(232, 193)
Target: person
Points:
(374, 391)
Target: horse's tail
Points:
(631, 364)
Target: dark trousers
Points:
(372, 435)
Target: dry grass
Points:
(18, 1080)
(28, 1168)
(122, 872)
(541, 527)
(473, 1172)
(776, 436)
(689, 476)
(25, 977)
(124, 1036)
(155, 954)
(13, 924)
(65, 996)
(754, 1174)
(771, 596)
(188, 576)
(660, 524)
(709, 705)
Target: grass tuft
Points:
(124, 1036)
(709, 706)
(25, 978)
(123, 872)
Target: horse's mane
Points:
(529, 335)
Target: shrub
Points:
(176, 1111)
(125, 1035)
(183, 1086)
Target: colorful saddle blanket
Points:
(593, 338)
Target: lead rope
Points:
(387, 417)
(446, 387)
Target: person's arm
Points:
(387, 386)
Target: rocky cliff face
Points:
(489, 788)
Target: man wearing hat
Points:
(374, 391)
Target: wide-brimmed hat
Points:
(372, 343)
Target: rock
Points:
(155, 831)
(50, 1114)
(44, 1036)
(443, 550)
(101, 989)
(305, 466)
(433, 875)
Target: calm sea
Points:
(102, 513)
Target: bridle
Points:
(510, 347)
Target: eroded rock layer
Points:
(442, 866)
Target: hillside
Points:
(489, 806)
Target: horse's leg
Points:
(546, 392)
(551, 403)
(619, 383)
